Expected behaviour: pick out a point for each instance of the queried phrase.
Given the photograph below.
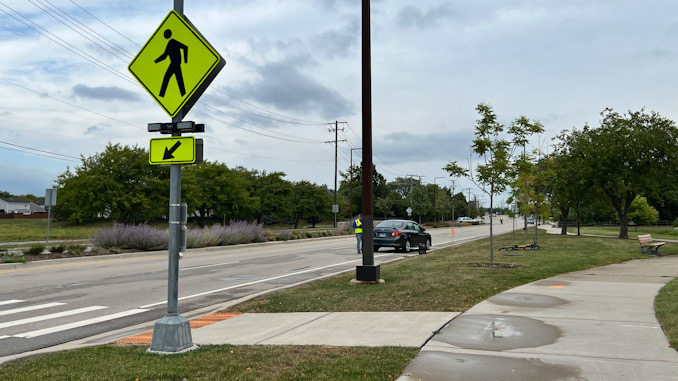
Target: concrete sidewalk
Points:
(597, 324)
(371, 329)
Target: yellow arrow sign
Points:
(176, 64)
(174, 150)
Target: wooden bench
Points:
(645, 242)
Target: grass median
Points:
(451, 279)
(657, 232)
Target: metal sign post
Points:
(164, 69)
(50, 200)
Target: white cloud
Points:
(432, 63)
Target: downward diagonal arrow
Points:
(169, 152)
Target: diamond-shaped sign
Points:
(176, 64)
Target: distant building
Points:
(15, 206)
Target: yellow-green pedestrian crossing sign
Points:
(176, 64)
(175, 150)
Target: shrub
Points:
(14, 252)
(675, 223)
(242, 232)
(35, 249)
(138, 237)
(203, 237)
(285, 235)
(75, 249)
(57, 249)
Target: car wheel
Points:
(428, 245)
(376, 248)
(408, 246)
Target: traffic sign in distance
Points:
(176, 64)
(175, 150)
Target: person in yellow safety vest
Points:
(358, 226)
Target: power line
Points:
(291, 120)
(65, 44)
(254, 132)
(109, 27)
(39, 154)
(263, 128)
(61, 19)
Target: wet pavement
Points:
(597, 324)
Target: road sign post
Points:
(50, 200)
(175, 80)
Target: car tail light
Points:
(395, 234)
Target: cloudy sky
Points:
(293, 66)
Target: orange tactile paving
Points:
(146, 337)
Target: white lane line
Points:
(202, 267)
(5, 337)
(5, 302)
(50, 316)
(261, 281)
(78, 324)
(30, 308)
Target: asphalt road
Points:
(46, 303)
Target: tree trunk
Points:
(491, 237)
(578, 221)
(564, 212)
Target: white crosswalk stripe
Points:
(54, 317)
(30, 308)
(78, 324)
(50, 316)
(13, 301)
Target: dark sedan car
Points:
(403, 235)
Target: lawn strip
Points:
(666, 307)
(224, 362)
(454, 278)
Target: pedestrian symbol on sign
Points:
(173, 51)
(163, 61)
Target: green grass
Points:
(291, 363)
(666, 307)
(447, 280)
(36, 230)
(658, 232)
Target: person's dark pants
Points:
(359, 237)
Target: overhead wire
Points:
(118, 50)
(109, 27)
(65, 44)
(39, 154)
(55, 15)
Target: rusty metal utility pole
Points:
(368, 272)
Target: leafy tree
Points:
(420, 202)
(460, 205)
(213, 190)
(642, 213)
(493, 174)
(5, 194)
(523, 189)
(313, 203)
(442, 202)
(118, 184)
(274, 194)
(628, 155)
(380, 188)
(384, 206)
